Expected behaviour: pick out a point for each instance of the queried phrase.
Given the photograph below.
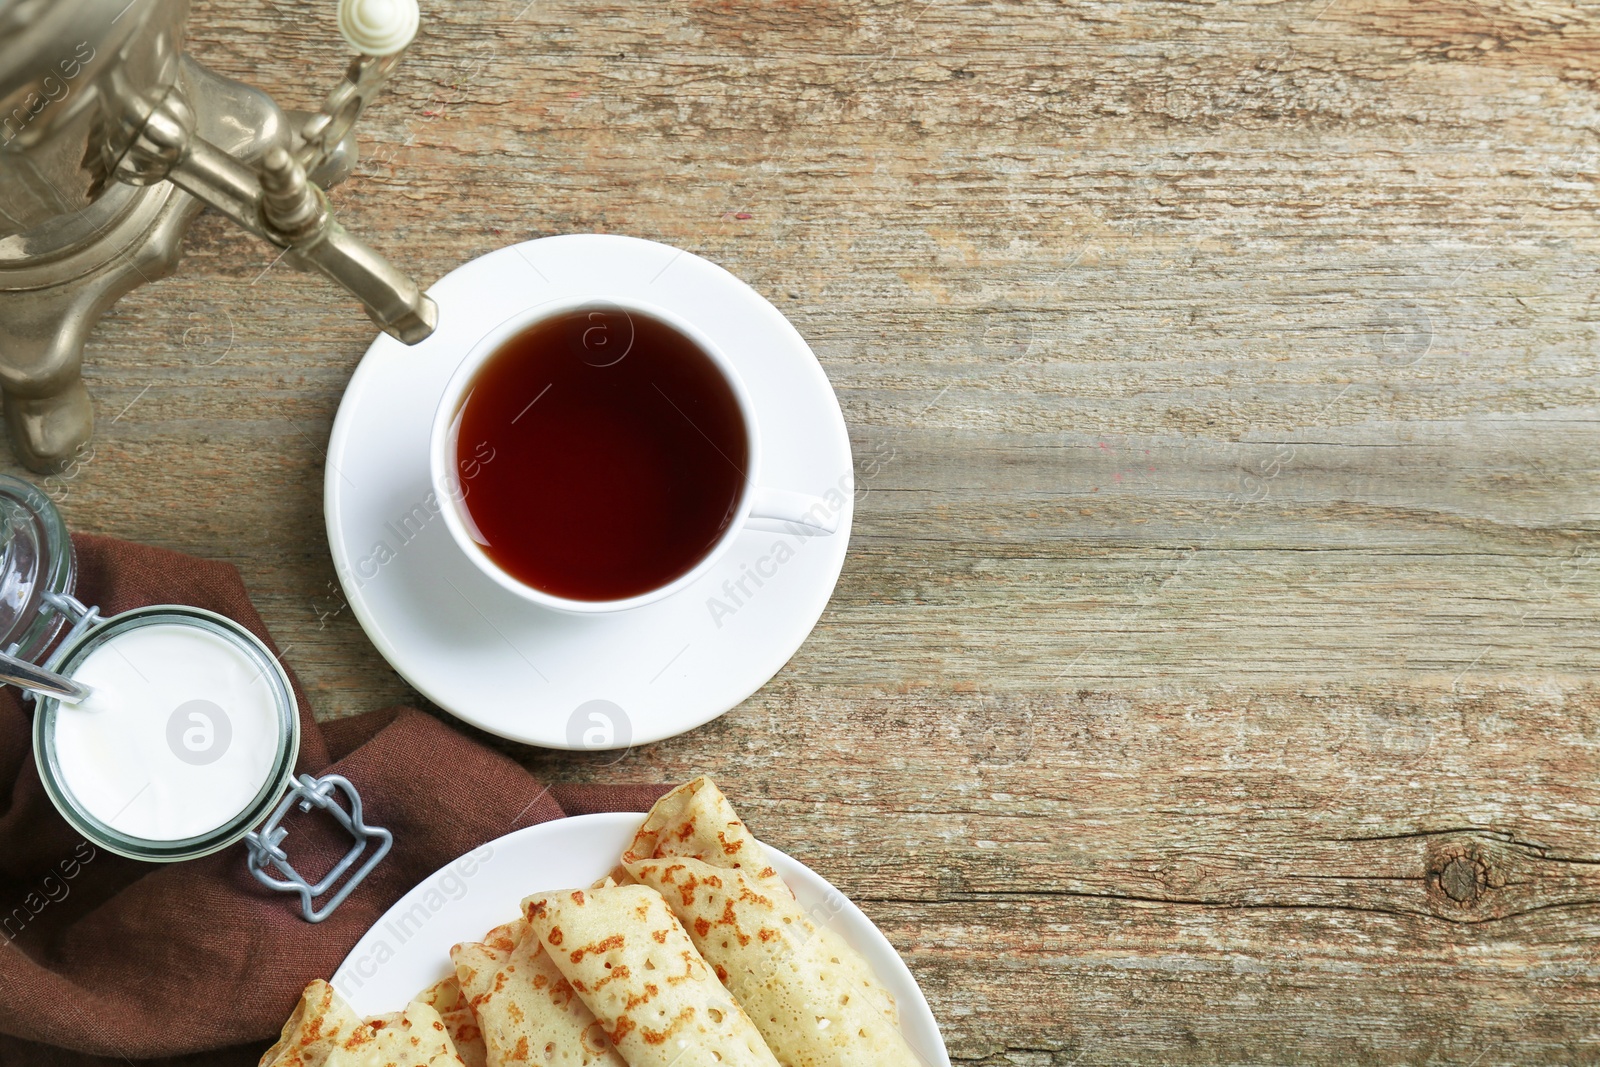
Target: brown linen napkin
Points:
(107, 960)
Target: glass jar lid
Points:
(186, 741)
(36, 564)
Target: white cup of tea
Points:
(598, 454)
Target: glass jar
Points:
(35, 562)
(186, 740)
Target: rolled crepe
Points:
(320, 1024)
(477, 961)
(323, 1032)
(526, 1010)
(697, 821)
(814, 998)
(445, 997)
(631, 962)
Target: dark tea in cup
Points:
(619, 454)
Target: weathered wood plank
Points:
(1211, 680)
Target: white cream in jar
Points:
(185, 731)
(184, 743)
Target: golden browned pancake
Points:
(526, 1011)
(323, 1032)
(445, 997)
(631, 962)
(814, 998)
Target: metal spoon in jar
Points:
(35, 679)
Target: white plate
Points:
(408, 949)
(557, 680)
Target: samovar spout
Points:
(112, 140)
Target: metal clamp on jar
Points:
(167, 732)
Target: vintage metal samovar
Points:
(112, 140)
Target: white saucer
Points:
(558, 680)
(408, 949)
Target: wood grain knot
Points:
(1463, 879)
(1187, 879)
(1459, 874)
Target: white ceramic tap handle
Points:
(378, 27)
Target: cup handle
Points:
(782, 507)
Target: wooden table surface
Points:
(1211, 676)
